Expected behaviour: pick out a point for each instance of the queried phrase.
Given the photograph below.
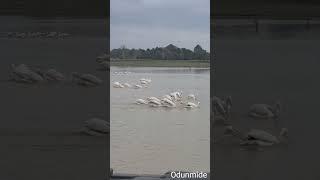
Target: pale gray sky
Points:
(151, 23)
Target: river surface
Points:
(146, 140)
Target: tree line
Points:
(169, 52)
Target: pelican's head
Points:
(219, 107)
(229, 101)
(228, 104)
(284, 132)
(228, 130)
(277, 108)
(283, 135)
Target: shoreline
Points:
(161, 63)
(161, 67)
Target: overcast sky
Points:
(150, 23)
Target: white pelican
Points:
(137, 86)
(192, 105)
(141, 101)
(258, 137)
(22, 73)
(86, 79)
(117, 85)
(21, 35)
(96, 127)
(127, 85)
(63, 35)
(222, 106)
(223, 113)
(143, 82)
(168, 97)
(53, 75)
(155, 103)
(176, 95)
(153, 98)
(167, 103)
(191, 97)
(265, 111)
(51, 34)
(284, 132)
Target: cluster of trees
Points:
(169, 52)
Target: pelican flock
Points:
(171, 100)
(22, 73)
(254, 137)
(27, 74)
(143, 83)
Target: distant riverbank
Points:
(160, 63)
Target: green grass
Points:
(161, 63)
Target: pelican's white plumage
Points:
(137, 86)
(192, 105)
(145, 81)
(86, 79)
(168, 97)
(96, 127)
(168, 103)
(262, 135)
(222, 107)
(153, 98)
(53, 75)
(118, 85)
(127, 85)
(263, 138)
(23, 73)
(264, 110)
(155, 103)
(141, 101)
(175, 95)
(257, 136)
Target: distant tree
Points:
(169, 52)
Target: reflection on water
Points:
(147, 140)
